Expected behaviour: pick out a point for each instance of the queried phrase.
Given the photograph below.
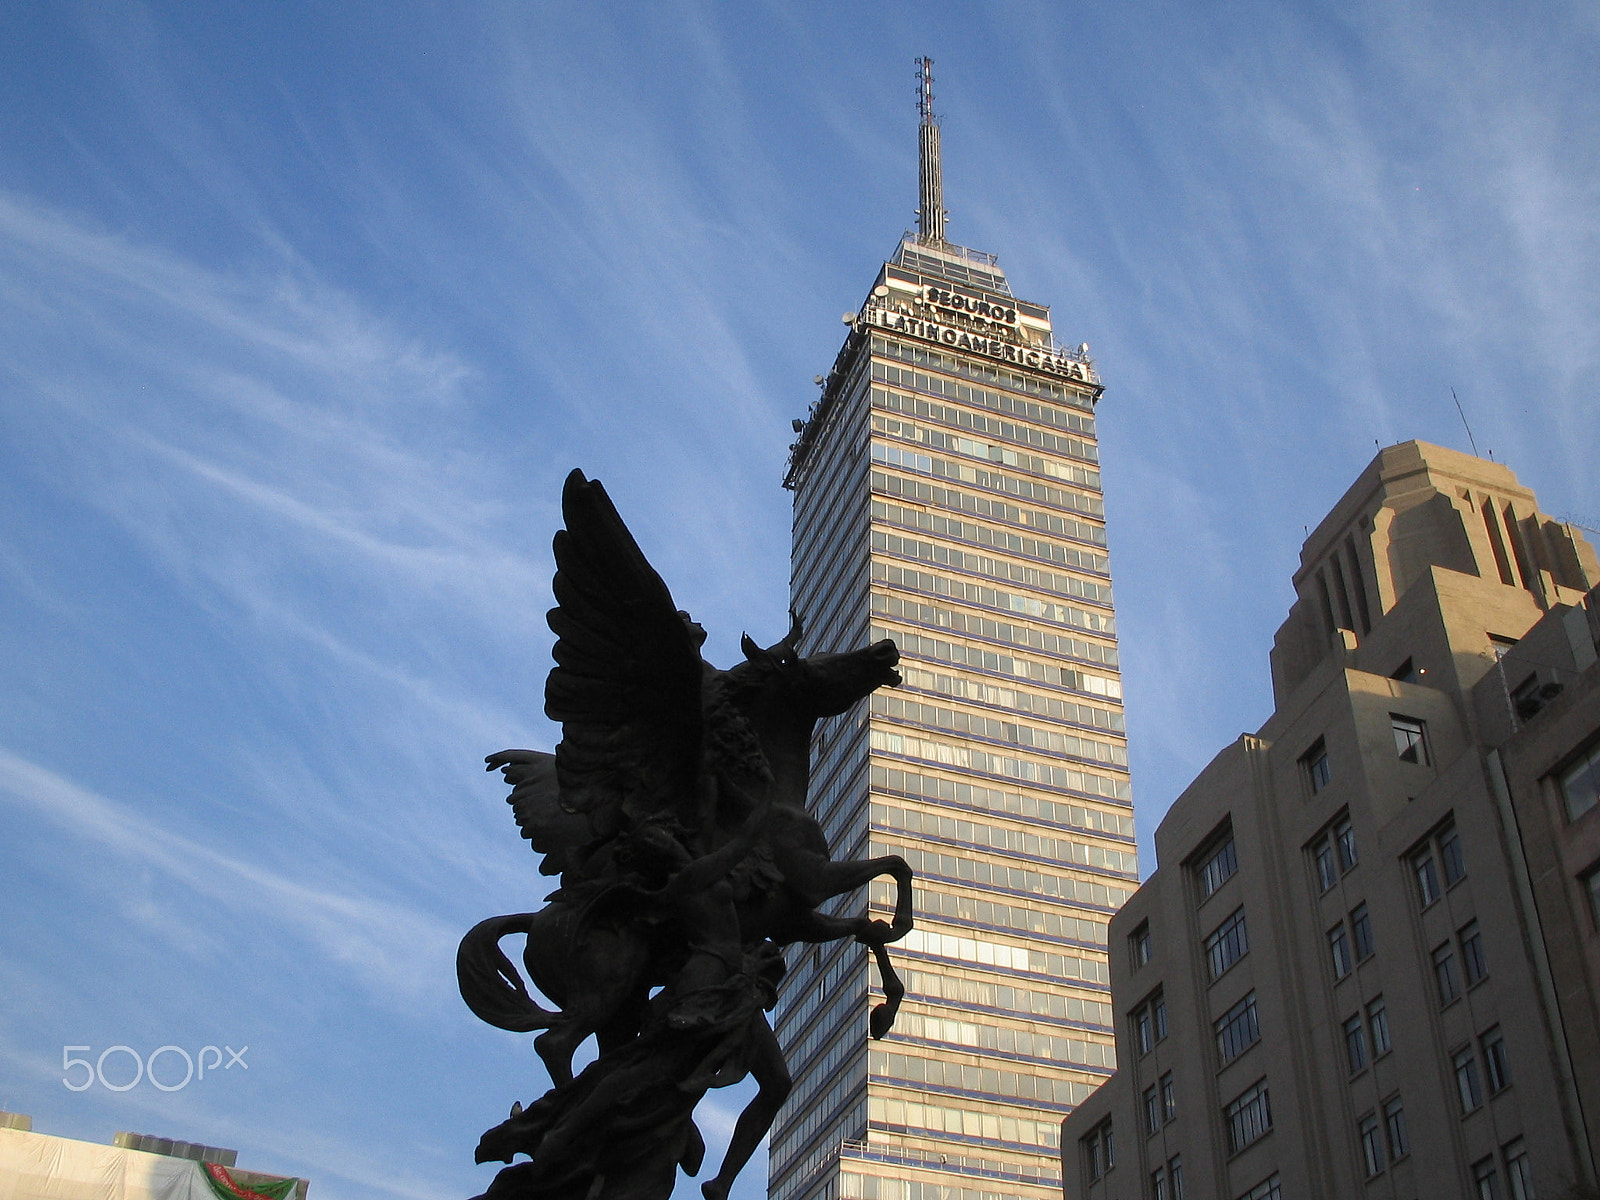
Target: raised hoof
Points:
(881, 1021)
(711, 1189)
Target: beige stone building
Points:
(1368, 963)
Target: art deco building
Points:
(947, 495)
(1367, 964)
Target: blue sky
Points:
(306, 309)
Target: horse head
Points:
(809, 689)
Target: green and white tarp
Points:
(36, 1167)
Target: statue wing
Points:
(626, 685)
(557, 835)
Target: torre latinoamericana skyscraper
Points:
(947, 495)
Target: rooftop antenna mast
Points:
(1463, 412)
(930, 217)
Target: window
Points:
(1410, 740)
(1371, 1144)
(1314, 762)
(1355, 1044)
(1455, 864)
(1327, 873)
(1361, 932)
(1495, 1065)
(1227, 944)
(1152, 1110)
(1148, 1024)
(1427, 873)
(1344, 837)
(1441, 847)
(1378, 1024)
(1485, 1180)
(1097, 1156)
(1473, 964)
(1580, 783)
(1444, 974)
(1139, 946)
(1333, 852)
(1218, 867)
(1169, 1099)
(1143, 1032)
(1175, 1176)
(1468, 1088)
(1248, 1118)
(1591, 887)
(1237, 1030)
(1339, 950)
(1267, 1189)
(1519, 1172)
(1394, 1123)
(1158, 1184)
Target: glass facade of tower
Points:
(947, 495)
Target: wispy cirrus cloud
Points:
(377, 942)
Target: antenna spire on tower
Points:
(930, 217)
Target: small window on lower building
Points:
(1226, 944)
(1473, 962)
(1469, 1090)
(1339, 950)
(1152, 1111)
(1590, 880)
(1580, 783)
(1394, 1123)
(1355, 1044)
(1486, 1180)
(1519, 1171)
(1267, 1189)
(1216, 864)
(1361, 933)
(1440, 849)
(1378, 1024)
(1096, 1146)
(1426, 871)
(1322, 856)
(1139, 946)
(1367, 1132)
(1344, 841)
(1169, 1099)
(1455, 863)
(1142, 1030)
(1410, 739)
(1237, 1030)
(1158, 1184)
(1444, 974)
(1248, 1117)
(1314, 764)
(1495, 1063)
(1175, 1177)
(1147, 1024)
